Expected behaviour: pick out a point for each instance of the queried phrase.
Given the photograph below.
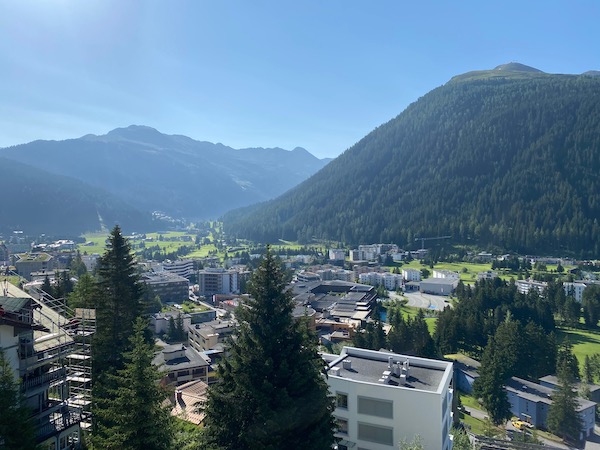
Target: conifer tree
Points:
(118, 301)
(489, 386)
(132, 416)
(563, 419)
(272, 393)
(16, 429)
(566, 359)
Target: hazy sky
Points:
(317, 74)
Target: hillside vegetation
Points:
(36, 201)
(504, 159)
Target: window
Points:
(342, 426)
(376, 407)
(376, 434)
(341, 400)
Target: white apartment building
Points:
(575, 289)
(524, 286)
(337, 254)
(218, 281)
(445, 274)
(383, 398)
(182, 267)
(411, 274)
(337, 274)
(390, 281)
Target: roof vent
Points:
(347, 364)
(390, 362)
(335, 371)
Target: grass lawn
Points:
(203, 252)
(468, 271)
(408, 311)
(98, 243)
(585, 342)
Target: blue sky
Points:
(317, 74)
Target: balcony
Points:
(60, 422)
(47, 378)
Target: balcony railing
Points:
(46, 378)
(60, 423)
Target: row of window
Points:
(368, 432)
(369, 406)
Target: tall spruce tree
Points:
(272, 393)
(489, 386)
(118, 301)
(563, 419)
(132, 416)
(16, 430)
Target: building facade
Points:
(169, 287)
(218, 281)
(383, 398)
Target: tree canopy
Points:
(132, 415)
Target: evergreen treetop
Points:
(272, 393)
(118, 302)
(132, 415)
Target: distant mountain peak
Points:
(135, 132)
(592, 73)
(516, 67)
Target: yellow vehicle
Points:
(519, 424)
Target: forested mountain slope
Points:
(499, 158)
(171, 173)
(36, 202)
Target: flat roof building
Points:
(383, 398)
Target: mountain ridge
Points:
(500, 161)
(175, 174)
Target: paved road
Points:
(425, 301)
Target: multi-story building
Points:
(182, 267)
(337, 254)
(25, 263)
(218, 281)
(445, 274)
(524, 286)
(181, 364)
(531, 402)
(487, 275)
(168, 286)
(336, 274)
(575, 289)
(383, 398)
(390, 281)
(206, 336)
(411, 274)
(38, 343)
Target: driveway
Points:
(426, 301)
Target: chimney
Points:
(347, 364)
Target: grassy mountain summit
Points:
(503, 158)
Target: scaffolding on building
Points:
(57, 356)
(80, 325)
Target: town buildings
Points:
(171, 288)
(382, 398)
